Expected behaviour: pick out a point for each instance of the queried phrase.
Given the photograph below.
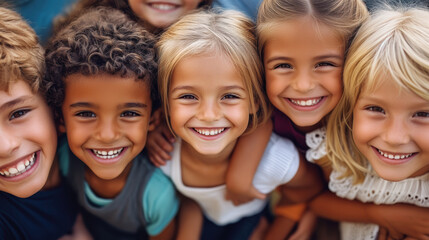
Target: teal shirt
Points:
(159, 201)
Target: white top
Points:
(379, 191)
(278, 165)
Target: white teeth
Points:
(13, 170)
(306, 103)
(396, 156)
(107, 154)
(209, 132)
(20, 168)
(164, 7)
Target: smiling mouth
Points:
(104, 154)
(19, 168)
(306, 102)
(209, 132)
(394, 156)
(163, 6)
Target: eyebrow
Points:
(316, 58)
(223, 88)
(125, 105)
(16, 101)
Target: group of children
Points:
(178, 122)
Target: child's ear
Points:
(61, 126)
(155, 119)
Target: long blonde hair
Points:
(229, 33)
(392, 43)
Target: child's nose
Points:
(108, 131)
(9, 142)
(303, 82)
(396, 132)
(209, 111)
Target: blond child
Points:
(377, 136)
(303, 45)
(211, 86)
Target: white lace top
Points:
(379, 191)
(316, 141)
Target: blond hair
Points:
(229, 33)
(342, 16)
(21, 56)
(392, 44)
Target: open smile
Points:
(209, 131)
(20, 167)
(395, 156)
(305, 102)
(163, 6)
(107, 154)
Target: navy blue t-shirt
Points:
(46, 215)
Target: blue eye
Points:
(85, 114)
(375, 109)
(326, 64)
(422, 114)
(18, 113)
(130, 114)
(187, 96)
(230, 96)
(283, 65)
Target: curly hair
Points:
(21, 56)
(102, 40)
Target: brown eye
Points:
(18, 113)
(85, 114)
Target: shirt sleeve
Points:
(278, 165)
(160, 203)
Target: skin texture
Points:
(161, 13)
(106, 113)
(392, 133)
(303, 64)
(26, 130)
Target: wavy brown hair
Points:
(21, 56)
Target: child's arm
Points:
(159, 141)
(398, 219)
(306, 184)
(167, 233)
(243, 164)
(190, 220)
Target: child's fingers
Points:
(158, 162)
(168, 135)
(164, 144)
(256, 194)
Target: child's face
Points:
(391, 129)
(209, 104)
(303, 67)
(161, 14)
(28, 140)
(106, 119)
